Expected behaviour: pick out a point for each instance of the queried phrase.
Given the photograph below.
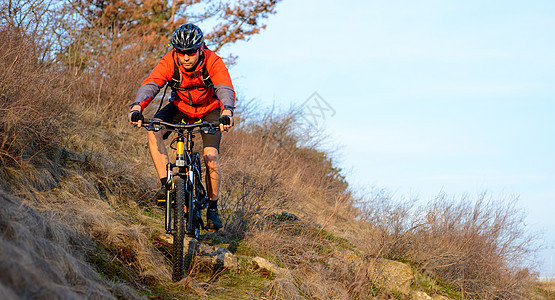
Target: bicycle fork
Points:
(179, 162)
(169, 199)
(190, 211)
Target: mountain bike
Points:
(185, 192)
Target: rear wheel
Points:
(192, 227)
(196, 223)
(179, 228)
(198, 193)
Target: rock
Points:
(168, 238)
(203, 253)
(269, 266)
(393, 276)
(418, 295)
(216, 256)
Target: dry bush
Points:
(387, 223)
(266, 170)
(478, 247)
(104, 91)
(28, 100)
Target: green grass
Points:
(168, 290)
(244, 249)
(243, 283)
(432, 286)
(338, 242)
(107, 265)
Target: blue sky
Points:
(443, 96)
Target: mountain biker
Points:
(201, 89)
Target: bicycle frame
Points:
(183, 188)
(184, 162)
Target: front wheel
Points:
(179, 232)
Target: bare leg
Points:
(211, 159)
(158, 152)
(213, 221)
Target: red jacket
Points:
(195, 102)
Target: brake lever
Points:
(152, 127)
(210, 130)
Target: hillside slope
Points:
(85, 221)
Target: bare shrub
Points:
(27, 100)
(266, 170)
(389, 224)
(477, 244)
(479, 247)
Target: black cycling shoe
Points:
(213, 221)
(160, 196)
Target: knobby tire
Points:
(179, 232)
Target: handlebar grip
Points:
(136, 116)
(226, 120)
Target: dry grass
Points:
(42, 258)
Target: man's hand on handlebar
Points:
(226, 120)
(136, 118)
(135, 115)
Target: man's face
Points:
(188, 59)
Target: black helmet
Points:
(187, 37)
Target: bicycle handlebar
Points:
(150, 124)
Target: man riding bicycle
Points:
(201, 88)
